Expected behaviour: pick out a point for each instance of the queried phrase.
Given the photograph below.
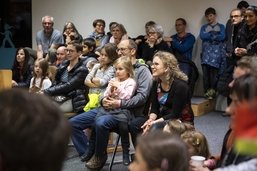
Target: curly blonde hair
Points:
(171, 64)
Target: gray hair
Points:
(156, 28)
(47, 16)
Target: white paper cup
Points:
(197, 160)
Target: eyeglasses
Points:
(100, 25)
(235, 16)
(151, 33)
(70, 50)
(122, 49)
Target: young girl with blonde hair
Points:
(122, 86)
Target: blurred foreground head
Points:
(33, 132)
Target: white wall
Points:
(132, 13)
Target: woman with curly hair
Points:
(170, 92)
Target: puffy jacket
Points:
(74, 88)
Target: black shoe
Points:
(225, 114)
(125, 157)
(86, 157)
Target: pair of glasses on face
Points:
(99, 25)
(122, 49)
(70, 50)
(235, 16)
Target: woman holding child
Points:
(170, 93)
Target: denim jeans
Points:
(103, 125)
(107, 123)
(78, 124)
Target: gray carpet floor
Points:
(213, 125)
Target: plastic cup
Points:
(197, 160)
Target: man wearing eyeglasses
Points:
(233, 27)
(137, 106)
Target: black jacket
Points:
(74, 88)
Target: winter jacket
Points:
(74, 88)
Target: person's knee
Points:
(135, 125)
(73, 122)
(100, 122)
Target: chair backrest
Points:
(194, 73)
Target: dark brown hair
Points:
(33, 132)
(43, 64)
(110, 50)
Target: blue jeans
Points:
(78, 124)
(103, 125)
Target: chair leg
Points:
(114, 152)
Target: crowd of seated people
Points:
(83, 67)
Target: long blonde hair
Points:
(171, 64)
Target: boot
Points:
(91, 148)
(96, 162)
(125, 157)
(123, 128)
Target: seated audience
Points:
(137, 104)
(121, 87)
(97, 81)
(88, 53)
(61, 55)
(171, 97)
(22, 69)
(240, 92)
(109, 34)
(243, 67)
(175, 126)
(48, 40)
(33, 132)
(140, 40)
(98, 78)
(68, 88)
(99, 34)
(71, 34)
(153, 43)
(197, 143)
(119, 33)
(40, 80)
(160, 151)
